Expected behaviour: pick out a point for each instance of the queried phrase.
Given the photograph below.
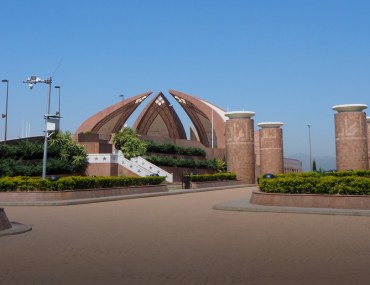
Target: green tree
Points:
(24, 158)
(220, 165)
(314, 168)
(69, 151)
(129, 142)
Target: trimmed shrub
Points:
(74, 183)
(174, 149)
(25, 158)
(346, 183)
(212, 177)
(359, 173)
(182, 162)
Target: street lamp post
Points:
(123, 110)
(58, 87)
(309, 143)
(32, 81)
(6, 108)
(212, 129)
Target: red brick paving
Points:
(179, 239)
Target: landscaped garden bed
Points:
(345, 190)
(208, 184)
(24, 183)
(36, 196)
(223, 176)
(28, 189)
(211, 180)
(343, 182)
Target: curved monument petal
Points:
(111, 119)
(208, 119)
(159, 119)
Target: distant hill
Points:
(325, 162)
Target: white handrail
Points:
(151, 167)
(138, 165)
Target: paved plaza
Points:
(180, 239)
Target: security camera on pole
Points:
(51, 121)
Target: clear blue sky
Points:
(286, 60)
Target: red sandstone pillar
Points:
(271, 147)
(240, 145)
(351, 137)
(368, 140)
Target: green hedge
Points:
(344, 182)
(174, 149)
(27, 150)
(22, 149)
(21, 167)
(360, 173)
(24, 158)
(182, 162)
(212, 177)
(24, 183)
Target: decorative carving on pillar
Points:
(271, 147)
(240, 145)
(351, 137)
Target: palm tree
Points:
(70, 151)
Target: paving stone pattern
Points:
(180, 239)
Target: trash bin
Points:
(268, 176)
(54, 178)
(186, 181)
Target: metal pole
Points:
(44, 159)
(45, 151)
(6, 108)
(6, 112)
(32, 81)
(212, 128)
(123, 110)
(58, 87)
(309, 142)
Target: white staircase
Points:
(137, 165)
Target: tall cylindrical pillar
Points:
(351, 137)
(240, 145)
(271, 147)
(368, 139)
